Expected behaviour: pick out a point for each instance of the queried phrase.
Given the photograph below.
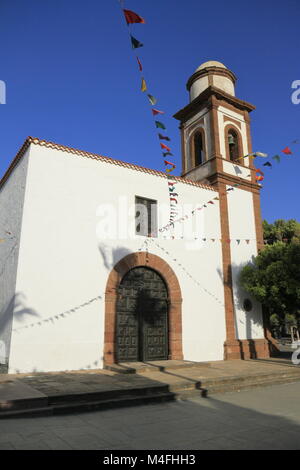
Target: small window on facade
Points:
(145, 217)
(198, 149)
(233, 144)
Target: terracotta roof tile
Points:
(94, 156)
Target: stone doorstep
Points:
(155, 366)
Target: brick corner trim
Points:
(156, 263)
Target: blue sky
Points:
(72, 78)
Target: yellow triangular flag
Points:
(144, 86)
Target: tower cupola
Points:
(211, 73)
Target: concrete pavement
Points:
(265, 418)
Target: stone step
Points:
(118, 393)
(86, 406)
(184, 389)
(208, 387)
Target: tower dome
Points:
(211, 73)
(211, 63)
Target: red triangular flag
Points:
(156, 111)
(132, 17)
(169, 163)
(287, 151)
(163, 146)
(140, 65)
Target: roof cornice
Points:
(194, 105)
(94, 156)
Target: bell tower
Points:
(215, 136)
(215, 128)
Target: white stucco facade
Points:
(63, 264)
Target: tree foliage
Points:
(273, 277)
(281, 230)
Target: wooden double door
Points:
(142, 317)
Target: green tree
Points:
(273, 278)
(281, 230)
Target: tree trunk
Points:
(292, 333)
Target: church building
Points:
(93, 274)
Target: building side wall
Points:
(65, 261)
(11, 206)
(249, 325)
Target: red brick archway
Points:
(175, 300)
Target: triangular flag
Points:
(135, 43)
(259, 178)
(152, 99)
(277, 158)
(168, 163)
(132, 17)
(170, 169)
(166, 154)
(156, 111)
(163, 146)
(247, 241)
(260, 154)
(164, 137)
(210, 202)
(287, 151)
(140, 65)
(143, 86)
(267, 164)
(216, 199)
(213, 239)
(160, 125)
(238, 241)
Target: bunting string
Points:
(192, 213)
(188, 274)
(259, 174)
(132, 18)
